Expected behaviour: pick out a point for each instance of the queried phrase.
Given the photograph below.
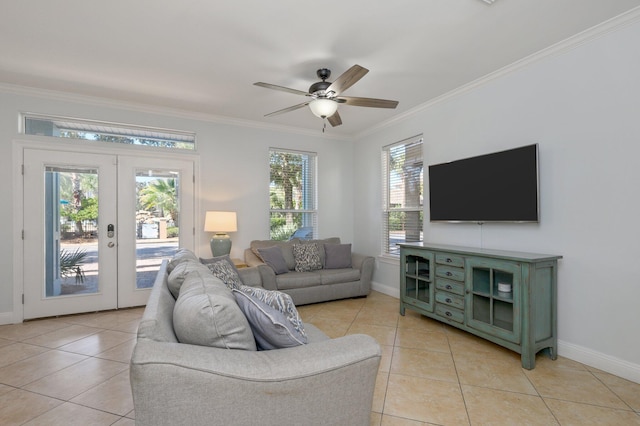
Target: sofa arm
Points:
(365, 264)
(328, 382)
(250, 276)
(251, 259)
(268, 277)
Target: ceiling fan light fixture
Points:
(323, 107)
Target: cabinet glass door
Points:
(492, 301)
(417, 285)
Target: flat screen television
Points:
(496, 187)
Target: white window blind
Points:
(402, 188)
(292, 194)
(101, 131)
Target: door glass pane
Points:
(157, 221)
(71, 231)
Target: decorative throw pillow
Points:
(207, 314)
(271, 328)
(307, 257)
(280, 301)
(223, 268)
(273, 257)
(337, 256)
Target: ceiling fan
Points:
(325, 96)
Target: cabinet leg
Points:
(528, 360)
(401, 309)
(552, 352)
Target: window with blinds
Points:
(101, 131)
(402, 194)
(292, 193)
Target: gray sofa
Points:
(324, 382)
(315, 286)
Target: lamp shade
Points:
(215, 221)
(323, 107)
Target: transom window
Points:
(64, 127)
(402, 194)
(292, 193)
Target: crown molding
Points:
(566, 45)
(151, 109)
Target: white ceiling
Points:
(204, 55)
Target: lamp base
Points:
(220, 245)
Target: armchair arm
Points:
(328, 382)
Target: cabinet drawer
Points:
(450, 313)
(450, 299)
(450, 272)
(448, 259)
(450, 286)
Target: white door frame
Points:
(105, 297)
(45, 143)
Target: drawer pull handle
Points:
(448, 287)
(448, 300)
(448, 313)
(449, 274)
(449, 260)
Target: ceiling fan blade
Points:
(291, 108)
(347, 79)
(368, 102)
(335, 119)
(281, 88)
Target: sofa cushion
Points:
(181, 255)
(335, 276)
(321, 243)
(307, 257)
(273, 257)
(298, 280)
(223, 268)
(271, 327)
(177, 276)
(207, 314)
(285, 246)
(337, 256)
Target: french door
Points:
(97, 226)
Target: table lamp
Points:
(220, 223)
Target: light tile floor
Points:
(74, 371)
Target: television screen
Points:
(497, 187)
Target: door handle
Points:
(111, 244)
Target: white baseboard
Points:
(385, 289)
(604, 362)
(6, 318)
(612, 365)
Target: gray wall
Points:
(582, 107)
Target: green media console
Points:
(509, 298)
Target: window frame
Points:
(387, 196)
(308, 194)
(87, 130)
